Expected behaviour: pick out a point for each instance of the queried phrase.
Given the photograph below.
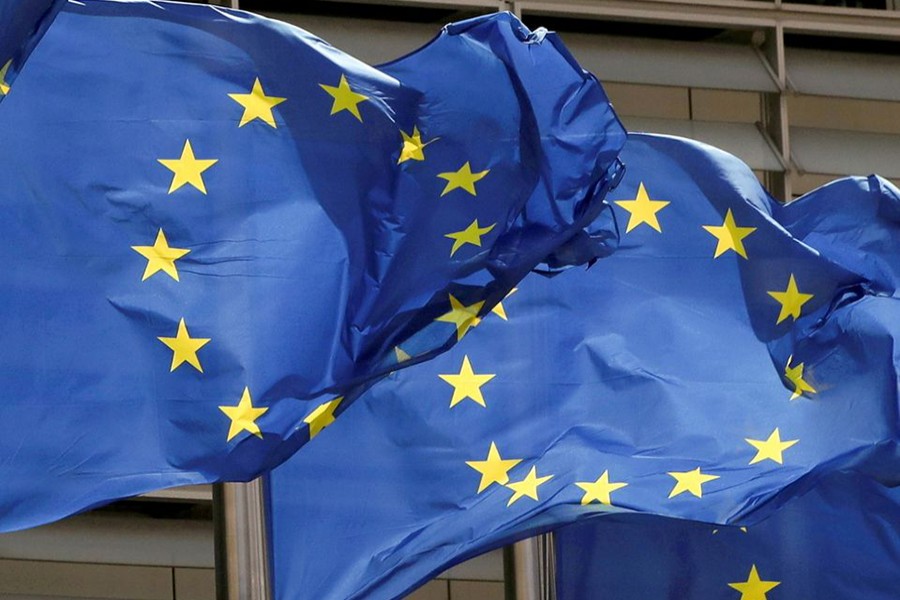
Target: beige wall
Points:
(135, 551)
(63, 580)
(45, 580)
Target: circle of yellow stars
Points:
(730, 237)
(188, 170)
(497, 468)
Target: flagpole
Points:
(530, 569)
(242, 562)
(529, 565)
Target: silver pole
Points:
(242, 556)
(242, 562)
(531, 569)
(226, 3)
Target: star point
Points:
(642, 210)
(467, 383)
(528, 486)
(463, 179)
(322, 416)
(499, 309)
(243, 416)
(257, 105)
(400, 355)
(599, 490)
(160, 257)
(464, 317)
(4, 87)
(470, 235)
(344, 98)
(184, 347)
(771, 448)
(754, 588)
(493, 469)
(795, 376)
(791, 300)
(729, 236)
(187, 169)
(690, 481)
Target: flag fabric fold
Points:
(837, 542)
(214, 225)
(711, 367)
(834, 226)
(22, 23)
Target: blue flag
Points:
(838, 542)
(213, 225)
(712, 367)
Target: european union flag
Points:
(837, 542)
(214, 224)
(712, 367)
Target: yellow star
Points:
(771, 448)
(463, 317)
(690, 481)
(642, 210)
(470, 235)
(599, 490)
(160, 257)
(344, 98)
(729, 236)
(4, 87)
(243, 416)
(743, 530)
(184, 347)
(754, 588)
(322, 416)
(413, 146)
(257, 105)
(463, 179)
(499, 310)
(187, 168)
(791, 300)
(528, 486)
(466, 384)
(493, 469)
(795, 376)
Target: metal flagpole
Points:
(242, 562)
(529, 565)
(530, 569)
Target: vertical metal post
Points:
(527, 565)
(530, 569)
(227, 3)
(775, 113)
(242, 562)
(242, 556)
